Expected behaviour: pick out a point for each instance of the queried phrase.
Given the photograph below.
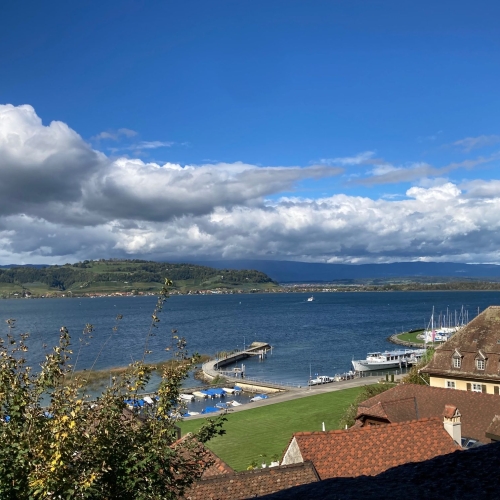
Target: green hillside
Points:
(126, 276)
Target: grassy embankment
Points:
(411, 337)
(267, 430)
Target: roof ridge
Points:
(265, 470)
(372, 428)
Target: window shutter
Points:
(483, 388)
(497, 390)
(468, 386)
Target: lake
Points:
(324, 335)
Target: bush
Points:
(76, 448)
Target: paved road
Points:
(297, 393)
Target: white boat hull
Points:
(387, 360)
(366, 366)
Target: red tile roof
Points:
(477, 409)
(207, 463)
(393, 411)
(493, 430)
(449, 411)
(373, 449)
(469, 475)
(218, 467)
(254, 483)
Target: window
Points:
(450, 384)
(477, 388)
(457, 362)
(480, 364)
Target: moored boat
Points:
(388, 359)
(200, 394)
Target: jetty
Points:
(215, 368)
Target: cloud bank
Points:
(62, 201)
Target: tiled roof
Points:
(449, 411)
(493, 430)
(477, 409)
(373, 449)
(393, 411)
(467, 475)
(218, 467)
(199, 454)
(254, 483)
(480, 336)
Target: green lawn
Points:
(411, 337)
(268, 429)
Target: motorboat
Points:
(186, 397)
(388, 359)
(259, 397)
(200, 394)
(322, 379)
(310, 299)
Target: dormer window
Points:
(480, 361)
(456, 359)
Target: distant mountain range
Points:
(305, 272)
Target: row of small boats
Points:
(324, 379)
(211, 393)
(224, 406)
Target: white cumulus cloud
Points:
(61, 200)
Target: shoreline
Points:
(116, 295)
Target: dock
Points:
(214, 368)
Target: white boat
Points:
(388, 359)
(310, 299)
(200, 394)
(234, 403)
(322, 379)
(186, 397)
(259, 397)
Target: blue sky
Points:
(369, 106)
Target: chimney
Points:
(452, 423)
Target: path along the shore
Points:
(296, 393)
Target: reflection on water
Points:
(318, 337)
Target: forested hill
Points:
(126, 274)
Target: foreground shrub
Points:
(57, 443)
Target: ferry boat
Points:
(388, 359)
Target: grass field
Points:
(411, 337)
(267, 430)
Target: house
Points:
(468, 475)
(410, 402)
(470, 360)
(371, 450)
(220, 482)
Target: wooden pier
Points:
(212, 369)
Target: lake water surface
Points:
(324, 335)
